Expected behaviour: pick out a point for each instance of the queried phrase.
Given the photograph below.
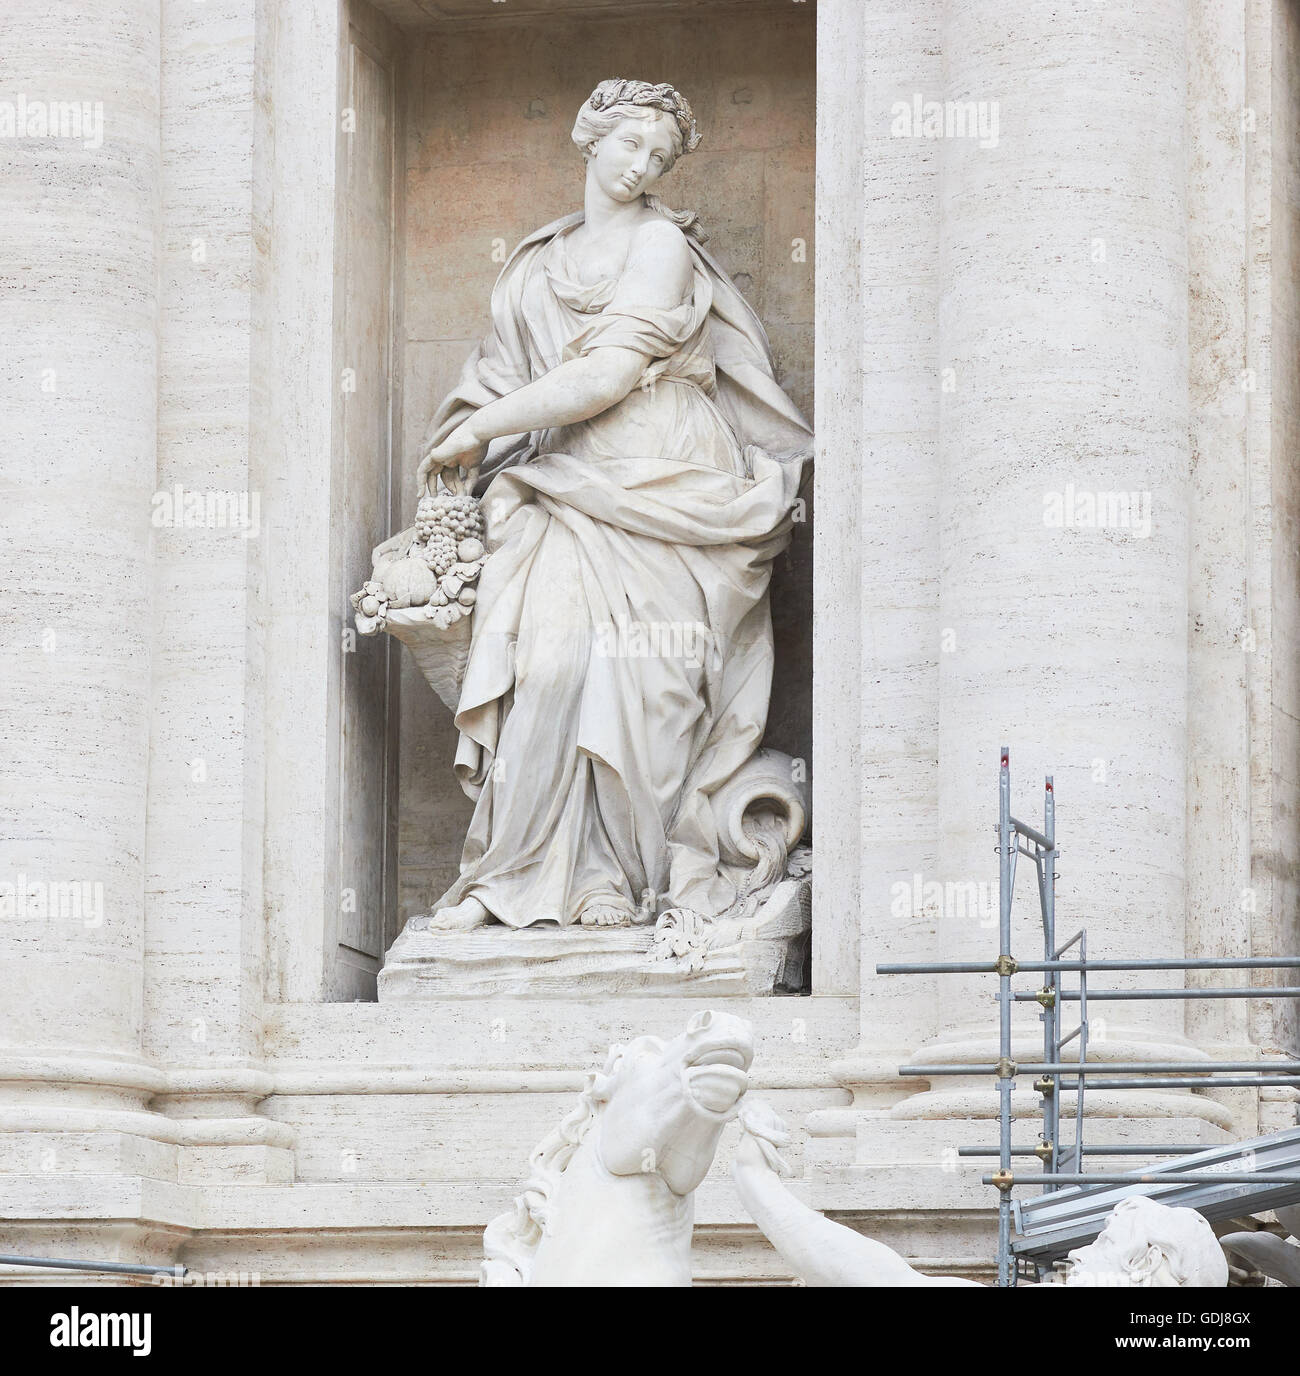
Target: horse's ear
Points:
(616, 1053)
(600, 1084)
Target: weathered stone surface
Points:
(189, 1079)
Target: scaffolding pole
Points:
(1054, 1075)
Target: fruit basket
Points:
(423, 586)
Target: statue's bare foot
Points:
(606, 914)
(465, 916)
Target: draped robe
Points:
(621, 657)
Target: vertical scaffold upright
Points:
(1074, 1203)
(1013, 835)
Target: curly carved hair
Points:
(511, 1240)
(618, 98)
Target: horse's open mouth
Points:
(723, 1055)
(719, 1051)
(717, 1084)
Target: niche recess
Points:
(460, 147)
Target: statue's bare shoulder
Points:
(660, 269)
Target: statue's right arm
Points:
(819, 1251)
(659, 275)
(571, 392)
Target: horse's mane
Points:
(512, 1238)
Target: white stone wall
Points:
(1276, 870)
(203, 937)
(80, 446)
(174, 1081)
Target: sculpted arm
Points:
(817, 1250)
(658, 274)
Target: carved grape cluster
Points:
(449, 533)
(446, 522)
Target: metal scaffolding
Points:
(115, 1268)
(1074, 1204)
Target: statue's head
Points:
(665, 1103)
(656, 1110)
(631, 133)
(1145, 1243)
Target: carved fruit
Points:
(466, 597)
(408, 582)
(469, 550)
(370, 606)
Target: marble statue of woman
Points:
(638, 465)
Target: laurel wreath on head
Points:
(620, 91)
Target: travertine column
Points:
(292, 434)
(1063, 340)
(875, 681)
(79, 419)
(204, 915)
(875, 684)
(837, 685)
(1224, 435)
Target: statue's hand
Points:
(462, 449)
(763, 1131)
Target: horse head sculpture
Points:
(609, 1198)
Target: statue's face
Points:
(1123, 1255)
(633, 155)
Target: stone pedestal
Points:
(763, 955)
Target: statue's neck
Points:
(602, 212)
(601, 1225)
